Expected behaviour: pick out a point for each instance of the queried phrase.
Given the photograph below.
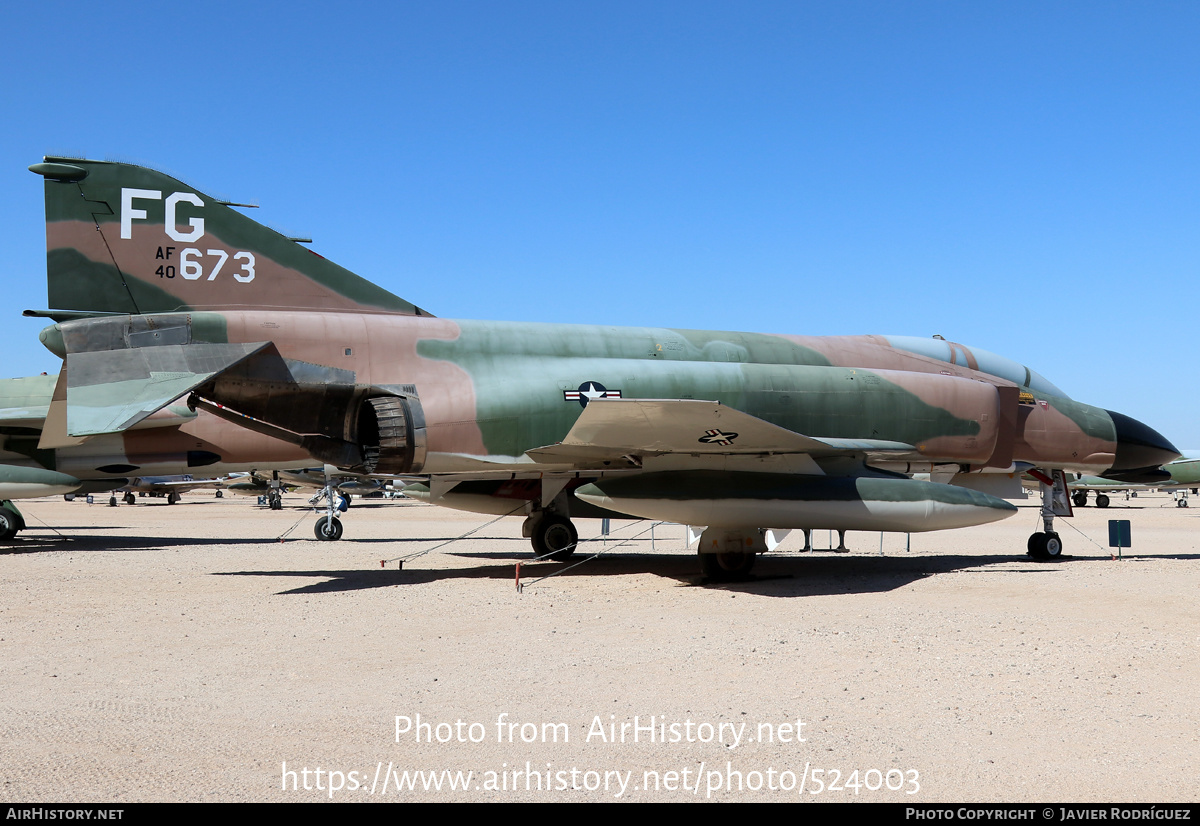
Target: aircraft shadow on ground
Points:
(443, 539)
(360, 504)
(26, 543)
(38, 538)
(780, 576)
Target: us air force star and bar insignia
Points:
(590, 390)
(717, 437)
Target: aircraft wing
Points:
(611, 428)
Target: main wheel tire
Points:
(726, 567)
(1101, 500)
(8, 525)
(1079, 497)
(554, 537)
(172, 498)
(130, 498)
(328, 529)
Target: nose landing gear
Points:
(1046, 544)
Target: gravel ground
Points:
(185, 653)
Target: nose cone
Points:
(1139, 446)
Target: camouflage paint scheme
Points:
(249, 320)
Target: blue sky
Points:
(1022, 177)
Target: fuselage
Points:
(497, 389)
(490, 391)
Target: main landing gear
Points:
(11, 520)
(548, 525)
(553, 536)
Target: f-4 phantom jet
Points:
(161, 293)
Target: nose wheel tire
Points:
(1045, 546)
(328, 529)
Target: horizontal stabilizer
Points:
(29, 416)
(610, 428)
(110, 391)
(26, 402)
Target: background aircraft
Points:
(165, 446)
(348, 485)
(1184, 475)
(160, 292)
(173, 440)
(319, 479)
(171, 487)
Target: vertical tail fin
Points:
(126, 239)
